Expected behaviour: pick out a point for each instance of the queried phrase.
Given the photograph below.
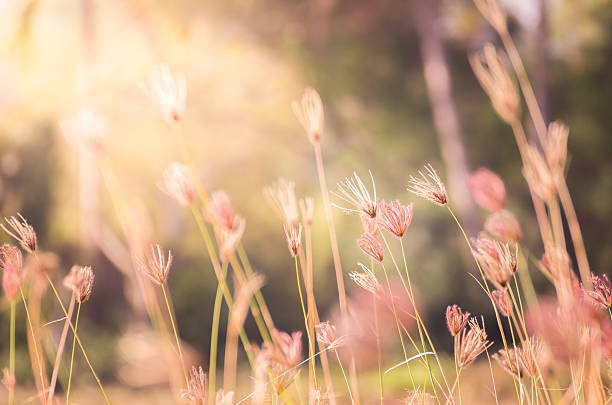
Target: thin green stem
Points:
(38, 356)
(378, 350)
(176, 337)
(11, 398)
(310, 338)
(76, 327)
(214, 334)
(348, 386)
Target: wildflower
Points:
(366, 279)
(488, 189)
(224, 398)
(294, 239)
(371, 246)
(178, 183)
(326, 335)
(370, 225)
(521, 361)
(11, 262)
(168, 92)
(471, 343)
(503, 226)
(501, 89)
(85, 128)
(538, 174)
(289, 350)
(395, 217)
(220, 211)
(492, 11)
(602, 291)
(307, 210)
(555, 148)
(196, 387)
(555, 262)
(80, 281)
(355, 193)
(498, 266)
(503, 302)
(22, 232)
(228, 239)
(155, 265)
(429, 186)
(456, 319)
(281, 196)
(310, 114)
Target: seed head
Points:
(224, 398)
(288, 350)
(471, 343)
(456, 319)
(86, 128)
(499, 266)
(197, 386)
(80, 281)
(310, 114)
(602, 291)
(168, 92)
(220, 212)
(294, 239)
(429, 186)
(496, 82)
(488, 189)
(494, 14)
(555, 148)
(307, 210)
(228, 239)
(503, 226)
(22, 232)
(355, 193)
(366, 279)
(370, 225)
(555, 262)
(326, 335)
(523, 360)
(371, 246)
(503, 302)
(538, 174)
(281, 195)
(155, 265)
(177, 183)
(395, 217)
(11, 262)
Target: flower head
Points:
(498, 265)
(155, 265)
(310, 114)
(85, 128)
(177, 183)
(80, 281)
(22, 231)
(488, 189)
(371, 246)
(395, 217)
(224, 398)
(326, 335)
(366, 279)
(429, 186)
(538, 174)
(281, 196)
(456, 319)
(523, 360)
(197, 387)
(294, 239)
(555, 262)
(356, 194)
(168, 92)
(555, 148)
(496, 82)
(11, 262)
(502, 301)
(602, 291)
(288, 350)
(228, 239)
(470, 344)
(220, 212)
(503, 226)
(307, 210)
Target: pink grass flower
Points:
(22, 232)
(503, 226)
(354, 192)
(428, 186)
(177, 183)
(371, 246)
(395, 217)
(309, 112)
(11, 262)
(456, 319)
(488, 189)
(168, 92)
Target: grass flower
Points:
(502, 301)
(197, 387)
(22, 232)
(602, 291)
(488, 189)
(395, 217)
(503, 226)
(555, 262)
(521, 361)
(354, 192)
(85, 128)
(555, 147)
(326, 335)
(366, 279)
(281, 196)
(294, 239)
(496, 82)
(309, 111)
(177, 183)
(307, 210)
(168, 92)
(155, 265)
(538, 174)
(371, 246)
(456, 319)
(220, 211)
(11, 262)
(471, 343)
(419, 397)
(228, 239)
(80, 281)
(429, 186)
(498, 265)
(224, 398)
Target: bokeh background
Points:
(244, 62)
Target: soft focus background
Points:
(244, 62)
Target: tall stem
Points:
(60, 351)
(214, 334)
(310, 338)
(176, 337)
(76, 327)
(11, 395)
(378, 351)
(348, 386)
(38, 355)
